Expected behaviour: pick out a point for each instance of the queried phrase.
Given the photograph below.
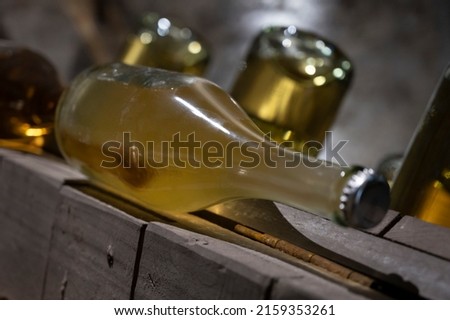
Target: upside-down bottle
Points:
(292, 85)
(178, 143)
(164, 43)
(29, 92)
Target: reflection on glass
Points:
(162, 44)
(292, 84)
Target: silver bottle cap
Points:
(365, 199)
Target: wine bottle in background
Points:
(29, 92)
(422, 186)
(178, 143)
(292, 84)
(163, 43)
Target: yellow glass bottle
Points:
(177, 143)
(162, 44)
(422, 186)
(29, 92)
(292, 85)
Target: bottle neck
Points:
(350, 195)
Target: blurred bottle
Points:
(161, 43)
(292, 85)
(29, 92)
(422, 187)
(389, 167)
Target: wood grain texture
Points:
(418, 234)
(29, 194)
(307, 287)
(178, 264)
(58, 242)
(389, 220)
(7, 153)
(429, 274)
(93, 250)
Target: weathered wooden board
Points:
(418, 234)
(86, 248)
(29, 195)
(205, 227)
(429, 274)
(93, 250)
(58, 242)
(389, 220)
(179, 264)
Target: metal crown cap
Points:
(365, 198)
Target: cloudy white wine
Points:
(178, 143)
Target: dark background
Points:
(399, 49)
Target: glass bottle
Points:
(162, 44)
(422, 186)
(29, 92)
(178, 143)
(292, 85)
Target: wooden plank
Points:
(179, 264)
(418, 234)
(7, 153)
(307, 287)
(93, 250)
(3, 154)
(414, 269)
(200, 225)
(389, 220)
(29, 194)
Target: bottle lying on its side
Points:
(176, 142)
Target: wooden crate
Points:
(66, 240)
